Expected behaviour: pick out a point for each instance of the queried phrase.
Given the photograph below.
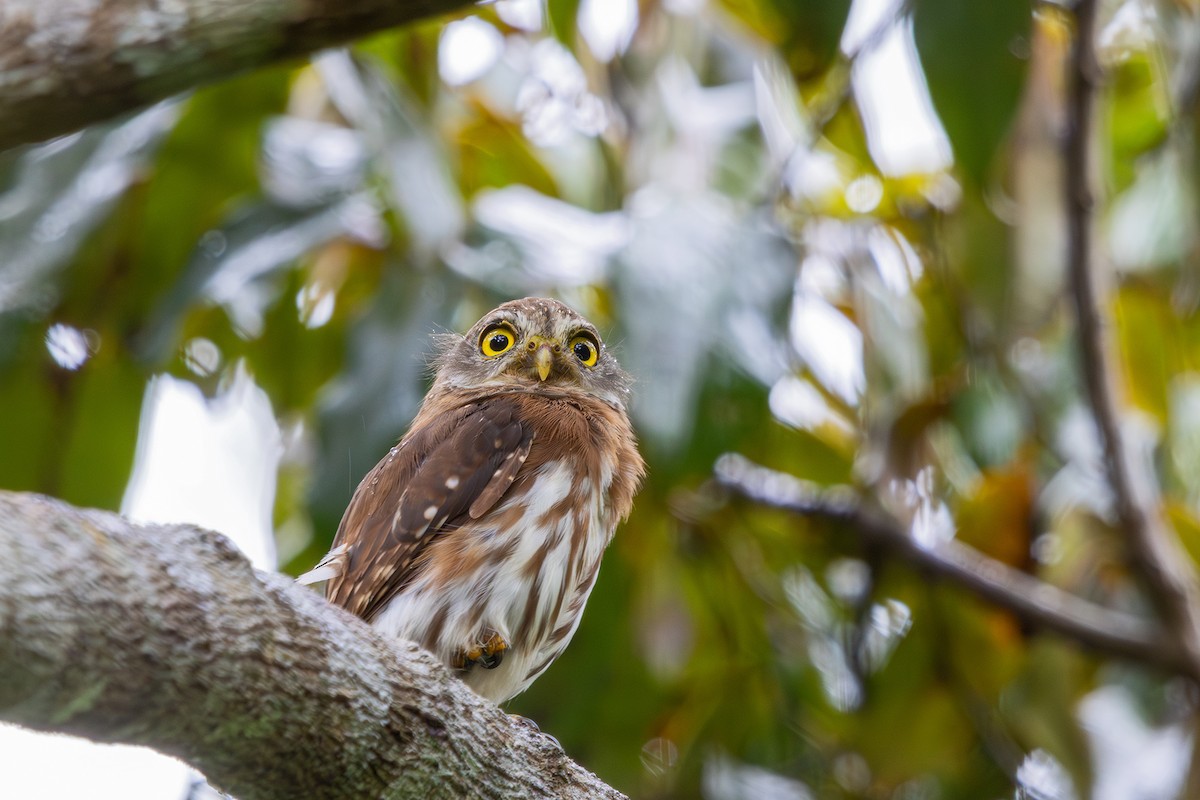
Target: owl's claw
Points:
(488, 655)
(527, 722)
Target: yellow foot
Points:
(488, 654)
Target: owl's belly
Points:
(523, 571)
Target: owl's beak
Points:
(543, 360)
(542, 351)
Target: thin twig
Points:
(1167, 571)
(1033, 601)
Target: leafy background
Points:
(717, 187)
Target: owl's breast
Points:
(591, 439)
(524, 571)
(525, 568)
(556, 548)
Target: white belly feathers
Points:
(542, 552)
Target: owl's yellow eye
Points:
(586, 350)
(497, 340)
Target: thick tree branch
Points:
(1167, 570)
(1034, 601)
(68, 63)
(164, 636)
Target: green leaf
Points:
(69, 433)
(1151, 355)
(561, 20)
(806, 31)
(1137, 113)
(975, 78)
(494, 154)
(206, 167)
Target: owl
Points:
(479, 536)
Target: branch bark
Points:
(165, 636)
(1034, 601)
(1168, 572)
(69, 63)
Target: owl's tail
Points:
(331, 566)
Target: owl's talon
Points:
(488, 655)
(492, 652)
(527, 722)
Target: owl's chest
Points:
(523, 570)
(559, 515)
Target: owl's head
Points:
(535, 344)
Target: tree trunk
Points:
(165, 636)
(69, 63)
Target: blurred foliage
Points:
(976, 103)
(727, 196)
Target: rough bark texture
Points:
(165, 636)
(68, 63)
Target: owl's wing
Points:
(445, 473)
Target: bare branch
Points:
(1168, 572)
(1034, 601)
(164, 636)
(68, 63)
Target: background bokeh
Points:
(829, 238)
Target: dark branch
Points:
(69, 63)
(164, 636)
(1034, 601)
(1167, 570)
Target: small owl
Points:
(480, 534)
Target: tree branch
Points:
(1034, 601)
(69, 63)
(164, 636)
(1168, 572)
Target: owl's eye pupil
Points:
(583, 351)
(499, 341)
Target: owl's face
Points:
(533, 344)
